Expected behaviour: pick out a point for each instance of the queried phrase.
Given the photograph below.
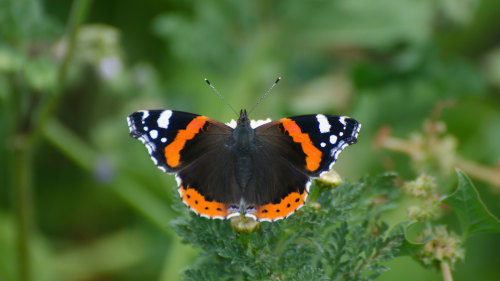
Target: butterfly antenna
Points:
(264, 95)
(221, 97)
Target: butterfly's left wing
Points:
(299, 147)
(311, 143)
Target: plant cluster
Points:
(336, 236)
(436, 246)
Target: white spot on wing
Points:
(235, 214)
(356, 131)
(178, 180)
(154, 160)
(149, 145)
(256, 123)
(308, 185)
(232, 123)
(164, 119)
(164, 140)
(150, 148)
(342, 120)
(322, 144)
(249, 215)
(153, 134)
(146, 128)
(145, 115)
(333, 139)
(131, 126)
(324, 125)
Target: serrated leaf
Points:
(471, 211)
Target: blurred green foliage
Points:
(86, 199)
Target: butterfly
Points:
(261, 170)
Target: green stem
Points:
(446, 271)
(23, 146)
(78, 12)
(22, 191)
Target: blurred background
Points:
(81, 200)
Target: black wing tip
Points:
(136, 115)
(356, 126)
(135, 134)
(352, 140)
(132, 121)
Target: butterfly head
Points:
(243, 119)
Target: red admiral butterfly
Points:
(261, 172)
(257, 169)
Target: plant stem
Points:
(446, 271)
(78, 12)
(481, 172)
(22, 191)
(24, 140)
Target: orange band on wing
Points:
(287, 206)
(201, 206)
(172, 151)
(313, 155)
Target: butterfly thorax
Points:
(243, 134)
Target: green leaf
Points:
(473, 214)
(408, 247)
